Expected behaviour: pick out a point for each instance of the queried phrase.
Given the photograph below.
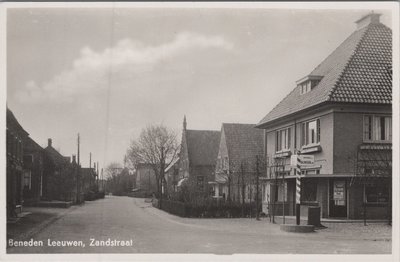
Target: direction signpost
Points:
(299, 161)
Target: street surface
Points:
(146, 229)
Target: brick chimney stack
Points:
(370, 18)
(49, 142)
(73, 159)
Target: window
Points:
(281, 192)
(283, 139)
(200, 183)
(28, 159)
(376, 193)
(226, 161)
(308, 190)
(305, 87)
(377, 128)
(308, 85)
(310, 132)
(27, 179)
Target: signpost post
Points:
(298, 161)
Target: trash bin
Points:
(314, 216)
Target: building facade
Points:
(235, 172)
(340, 114)
(15, 136)
(197, 159)
(33, 171)
(61, 180)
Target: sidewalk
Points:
(348, 231)
(303, 220)
(34, 219)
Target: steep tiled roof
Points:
(243, 141)
(202, 146)
(55, 156)
(30, 145)
(14, 125)
(356, 72)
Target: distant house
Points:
(341, 114)
(88, 178)
(239, 146)
(172, 177)
(16, 135)
(197, 159)
(33, 171)
(146, 181)
(60, 176)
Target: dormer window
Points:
(306, 84)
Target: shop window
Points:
(281, 192)
(376, 193)
(308, 190)
(377, 128)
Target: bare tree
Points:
(157, 145)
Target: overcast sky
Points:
(107, 73)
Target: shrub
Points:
(209, 208)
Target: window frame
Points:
(287, 140)
(376, 185)
(27, 174)
(306, 185)
(200, 183)
(305, 133)
(369, 136)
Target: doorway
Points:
(338, 198)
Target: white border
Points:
(394, 6)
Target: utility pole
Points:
(257, 187)
(102, 181)
(78, 200)
(161, 174)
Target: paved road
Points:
(154, 231)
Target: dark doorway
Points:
(337, 198)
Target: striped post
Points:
(298, 189)
(298, 182)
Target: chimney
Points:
(370, 18)
(73, 159)
(49, 142)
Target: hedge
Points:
(210, 209)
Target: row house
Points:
(89, 179)
(197, 158)
(235, 172)
(32, 172)
(15, 135)
(340, 113)
(61, 180)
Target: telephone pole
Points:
(257, 187)
(78, 193)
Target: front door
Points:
(337, 198)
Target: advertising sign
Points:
(339, 190)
